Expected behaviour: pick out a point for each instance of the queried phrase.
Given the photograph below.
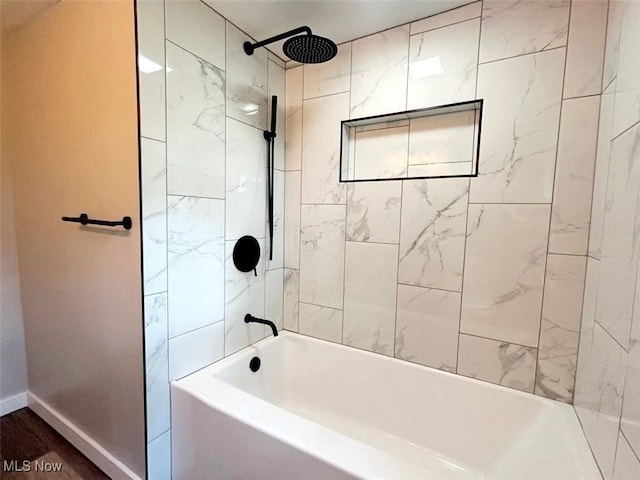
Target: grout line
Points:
(509, 203)
(466, 226)
(588, 442)
(429, 288)
(464, 260)
(153, 139)
(582, 96)
(224, 212)
(603, 87)
(344, 269)
(635, 454)
(166, 194)
(443, 26)
(301, 104)
(553, 192)
(568, 254)
(610, 82)
(395, 327)
(177, 195)
(524, 55)
(595, 320)
(326, 95)
(626, 130)
(201, 327)
(158, 436)
(197, 56)
(499, 341)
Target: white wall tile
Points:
(504, 272)
(290, 300)
(159, 458)
(630, 424)
(373, 212)
(277, 87)
(515, 27)
(379, 82)
(292, 219)
(621, 238)
(456, 15)
(196, 263)
(519, 128)
(455, 50)
(273, 298)
(601, 387)
(154, 215)
(322, 254)
(196, 28)
(585, 51)
(623, 183)
(573, 187)
(321, 322)
(584, 396)
(560, 326)
(276, 59)
(244, 293)
(195, 350)
(427, 327)
(497, 362)
(612, 44)
(157, 364)
(371, 276)
(150, 22)
(627, 102)
(331, 77)
(293, 96)
(245, 181)
(321, 149)
(432, 232)
(627, 465)
(615, 296)
(601, 173)
(195, 125)
(246, 80)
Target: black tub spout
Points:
(248, 318)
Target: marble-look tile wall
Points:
(607, 396)
(203, 106)
(480, 276)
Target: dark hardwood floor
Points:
(26, 437)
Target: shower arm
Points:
(250, 47)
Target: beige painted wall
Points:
(69, 120)
(13, 362)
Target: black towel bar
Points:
(84, 219)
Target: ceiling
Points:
(339, 20)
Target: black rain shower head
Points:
(307, 48)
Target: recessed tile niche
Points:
(435, 142)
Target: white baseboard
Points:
(87, 445)
(11, 404)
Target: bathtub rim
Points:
(232, 396)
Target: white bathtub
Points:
(317, 410)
